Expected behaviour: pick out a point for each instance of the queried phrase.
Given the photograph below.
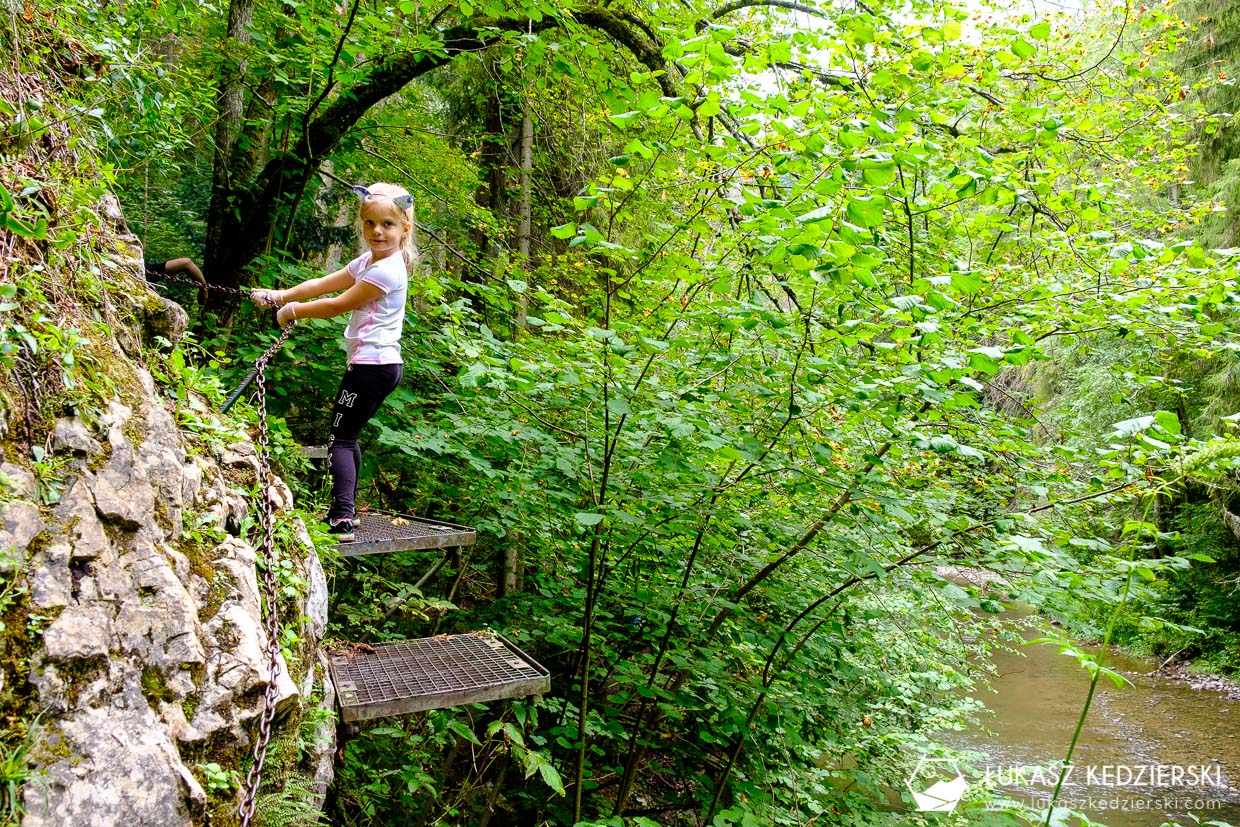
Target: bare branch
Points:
(330, 83)
(981, 93)
(737, 5)
(1114, 45)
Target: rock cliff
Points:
(132, 663)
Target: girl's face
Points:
(383, 227)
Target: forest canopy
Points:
(738, 327)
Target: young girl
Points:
(374, 286)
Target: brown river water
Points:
(1150, 752)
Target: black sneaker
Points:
(344, 529)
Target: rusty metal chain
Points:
(254, 778)
(235, 291)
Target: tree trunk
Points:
(1231, 521)
(510, 566)
(511, 563)
(495, 160)
(227, 129)
(524, 210)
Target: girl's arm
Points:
(308, 289)
(313, 288)
(359, 294)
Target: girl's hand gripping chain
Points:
(287, 314)
(267, 298)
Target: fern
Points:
(289, 798)
(292, 805)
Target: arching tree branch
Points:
(243, 229)
(737, 5)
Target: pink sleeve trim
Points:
(386, 288)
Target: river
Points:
(1154, 750)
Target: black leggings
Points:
(362, 391)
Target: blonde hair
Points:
(384, 193)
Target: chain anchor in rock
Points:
(254, 778)
(235, 395)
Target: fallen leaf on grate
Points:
(399, 521)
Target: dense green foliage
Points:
(817, 302)
(1094, 383)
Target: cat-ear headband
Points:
(404, 202)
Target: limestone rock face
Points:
(79, 632)
(125, 770)
(152, 640)
(20, 523)
(72, 434)
(163, 321)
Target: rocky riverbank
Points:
(1182, 672)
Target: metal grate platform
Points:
(380, 533)
(376, 681)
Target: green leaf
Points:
(862, 32)
(851, 140)
(866, 279)
(564, 230)
(966, 283)
(819, 214)
(1131, 427)
(708, 108)
(1168, 421)
(985, 360)
(551, 777)
(625, 119)
(866, 212)
(11, 223)
(1040, 31)
(1023, 49)
(514, 734)
(619, 406)
(587, 518)
(878, 173)
(463, 731)
(972, 383)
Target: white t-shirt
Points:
(373, 334)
